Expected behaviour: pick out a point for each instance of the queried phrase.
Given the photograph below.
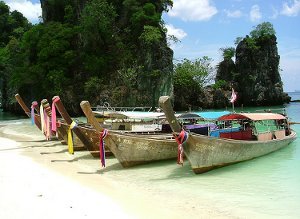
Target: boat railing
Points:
(122, 109)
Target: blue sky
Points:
(205, 26)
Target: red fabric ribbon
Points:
(180, 139)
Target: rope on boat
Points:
(102, 146)
(70, 137)
(33, 105)
(181, 139)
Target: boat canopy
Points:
(132, 115)
(252, 116)
(213, 115)
(189, 116)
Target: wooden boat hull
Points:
(90, 133)
(206, 153)
(135, 149)
(62, 131)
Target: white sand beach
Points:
(39, 179)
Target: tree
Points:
(228, 52)
(190, 77)
(264, 29)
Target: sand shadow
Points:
(83, 157)
(116, 166)
(55, 152)
(26, 147)
(39, 141)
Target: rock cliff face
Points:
(156, 60)
(258, 80)
(226, 70)
(255, 73)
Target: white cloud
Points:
(193, 10)
(233, 14)
(173, 31)
(292, 10)
(30, 10)
(255, 14)
(275, 13)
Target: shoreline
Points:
(83, 173)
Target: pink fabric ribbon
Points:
(102, 146)
(53, 115)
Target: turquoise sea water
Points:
(265, 187)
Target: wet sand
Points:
(40, 179)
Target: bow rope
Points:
(70, 137)
(53, 115)
(33, 105)
(181, 139)
(102, 146)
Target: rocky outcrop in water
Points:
(255, 73)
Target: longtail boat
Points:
(131, 148)
(208, 152)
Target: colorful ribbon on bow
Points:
(70, 137)
(33, 105)
(45, 123)
(53, 115)
(42, 118)
(181, 139)
(102, 146)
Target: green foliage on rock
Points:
(228, 52)
(263, 30)
(190, 78)
(97, 49)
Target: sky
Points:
(205, 26)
